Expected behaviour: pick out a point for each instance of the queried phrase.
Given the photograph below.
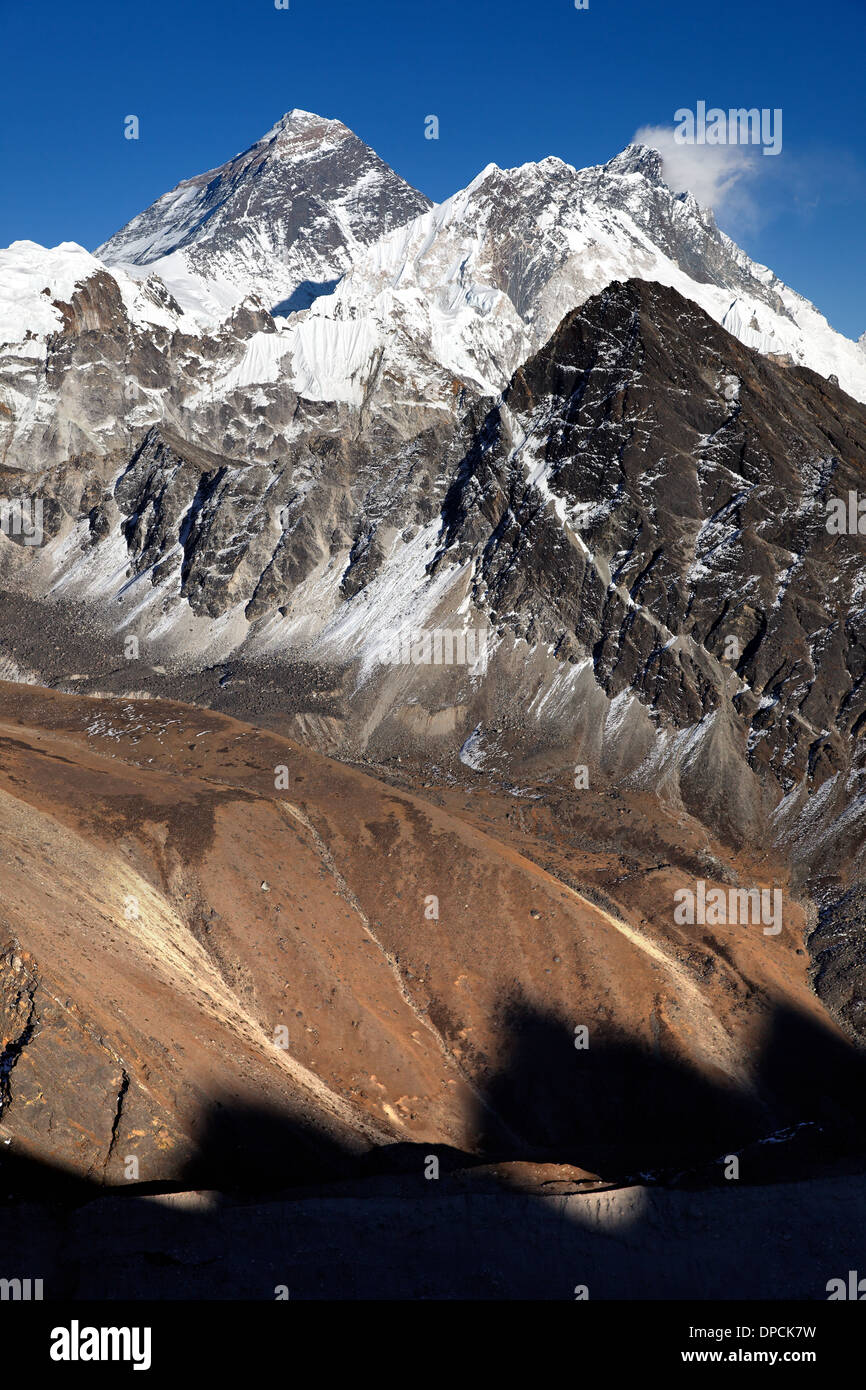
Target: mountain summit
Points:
(283, 219)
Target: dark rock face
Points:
(680, 535)
(254, 533)
(837, 948)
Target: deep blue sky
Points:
(509, 81)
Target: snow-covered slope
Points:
(34, 278)
(283, 219)
(81, 353)
(90, 358)
(482, 280)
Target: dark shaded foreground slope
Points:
(388, 1230)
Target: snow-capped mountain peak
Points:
(637, 159)
(387, 301)
(296, 122)
(310, 219)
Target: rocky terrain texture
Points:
(638, 524)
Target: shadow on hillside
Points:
(306, 293)
(621, 1110)
(288, 1208)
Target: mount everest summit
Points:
(283, 220)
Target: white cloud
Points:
(717, 175)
